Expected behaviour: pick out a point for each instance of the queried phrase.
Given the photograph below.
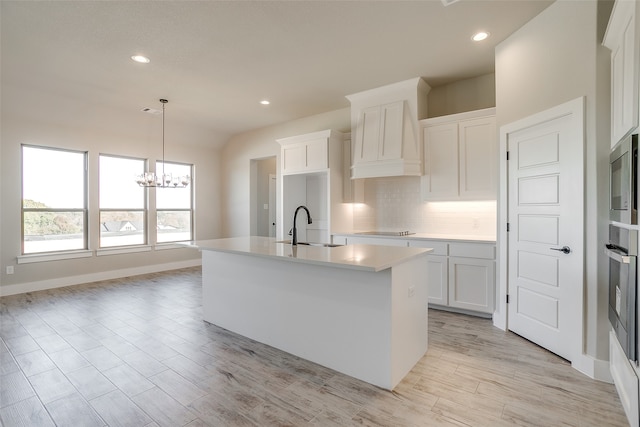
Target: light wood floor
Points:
(135, 352)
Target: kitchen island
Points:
(358, 309)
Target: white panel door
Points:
(545, 215)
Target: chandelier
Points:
(164, 180)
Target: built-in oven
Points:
(622, 251)
(623, 166)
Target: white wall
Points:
(555, 58)
(470, 94)
(241, 149)
(38, 116)
(395, 203)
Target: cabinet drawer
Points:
(473, 250)
(439, 248)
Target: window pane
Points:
(47, 231)
(173, 198)
(121, 228)
(118, 187)
(53, 178)
(174, 226)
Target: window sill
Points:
(166, 246)
(123, 250)
(31, 258)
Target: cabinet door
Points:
(622, 40)
(478, 163)
(438, 282)
(317, 154)
(440, 181)
(471, 284)
(294, 158)
(368, 135)
(391, 131)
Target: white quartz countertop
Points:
(359, 257)
(429, 236)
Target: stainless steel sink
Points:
(325, 245)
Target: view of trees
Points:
(40, 223)
(46, 222)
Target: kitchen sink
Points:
(325, 245)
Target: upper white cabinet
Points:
(353, 189)
(460, 156)
(623, 39)
(311, 174)
(385, 127)
(309, 152)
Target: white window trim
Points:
(57, 256)
(123, 250)
(170, 245)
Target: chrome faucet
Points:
(294, 238)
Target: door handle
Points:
(564, 249)
(622, 259)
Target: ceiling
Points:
(215, 60)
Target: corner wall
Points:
(37, 116)
(242, 148)
(546, 63)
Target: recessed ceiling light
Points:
(265, 102)
(478, 37)
(141, 59)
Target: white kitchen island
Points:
(358, 309)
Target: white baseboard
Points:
(597, 369)
(60, 282)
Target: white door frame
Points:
(575, 108)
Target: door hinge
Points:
(507, 298)
(508, 227)
(507, 155)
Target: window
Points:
(174, 206)
(122, 202)
(54, 200)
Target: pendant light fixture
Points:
(164, 180)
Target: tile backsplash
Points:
(392, 204)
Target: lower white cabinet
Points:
(438, 269)
(471, 284)
(461, 275)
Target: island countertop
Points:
(358, 257)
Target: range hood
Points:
(385, 124)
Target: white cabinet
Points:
(307, 153)
(625, 379)
(460, 157)
(472, 276)
(352, 189)
(385, 127)
(622, 38)
(438, 279)
(461, 275)
(311, 174)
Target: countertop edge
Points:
(424, 236)
(202, 246)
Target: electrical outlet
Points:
(412, 291)
(9, 269)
